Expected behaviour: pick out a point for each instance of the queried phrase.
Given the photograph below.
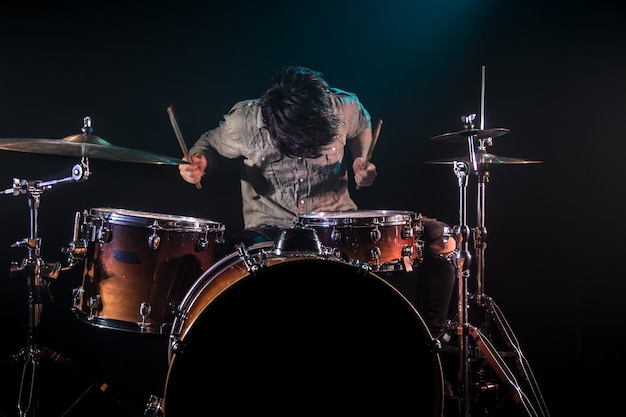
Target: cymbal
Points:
(483, 158)
(462, 135)
(86, 145)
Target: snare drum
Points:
(388, 240)
(299, 332)
(139, 265)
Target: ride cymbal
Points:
(486, 159)
(86, 145)
(462, 135)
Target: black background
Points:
(555, 77)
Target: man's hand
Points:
(193, 172)
(364, 172)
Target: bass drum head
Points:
(306, 335)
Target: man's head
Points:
(298, 112)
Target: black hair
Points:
(298, 112)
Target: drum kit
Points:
(310, 303)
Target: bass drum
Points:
(264, 331)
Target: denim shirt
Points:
(276, 188)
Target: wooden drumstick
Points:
(370, 151)
(179, 136)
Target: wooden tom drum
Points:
(388, 240)
(139, 265)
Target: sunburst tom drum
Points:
(388, 240)
(139, 265)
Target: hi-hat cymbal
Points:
(462, 135)
(483, 158)
(86, 145)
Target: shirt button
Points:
(301, 201)
(301, 180)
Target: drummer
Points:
(291, 140)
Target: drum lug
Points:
(436, 346)
(144, 311)
(407, 232)
(177, 345)
(253, 265)
(419, 225)
(334, 252)
(335, 236)
(408, 251)
(219, 237)
(376, 253)
(76, 296)
(375, 235)
(202, 245)
(102, 234)
(179, 313)
(419, 250)
(94, 305)
(154, 241)
(363, 267)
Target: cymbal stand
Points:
(484, 347)
(462, 262)
(533, 405)
(35, 269)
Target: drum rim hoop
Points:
(148, 220)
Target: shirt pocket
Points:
(267, 171)
(329, 166)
